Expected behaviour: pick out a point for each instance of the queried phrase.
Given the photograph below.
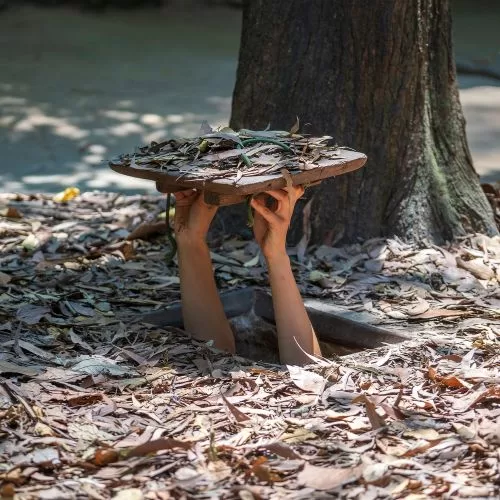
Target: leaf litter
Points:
(95, 403)
(225, 153)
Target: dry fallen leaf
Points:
(147, 230)
(492, 393)
(439, 313)
(5, 279)
(237, 414)
(7, 367)
(328, 478)
(129, 494)
(376, 420)
(477, 268)
(417, 309)
(13, 213)
(377, 474)
(31, 314)
(282, 450)
(306, 380)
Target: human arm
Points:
(270, 229)
(202, 309)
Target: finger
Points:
(278, 194)
(204, 206)
(299, 190)
(184, 192)
(185, 198)
(285, 202)
(268, 201)
(270, 216)
(295, 191)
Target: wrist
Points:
(190, 242)
(277, 257)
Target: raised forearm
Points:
(202, 308)
(292, 321)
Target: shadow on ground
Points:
(78, 88)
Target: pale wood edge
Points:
(259, 184)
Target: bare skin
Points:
(203, 313)
(202, 309)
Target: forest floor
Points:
(95, 403)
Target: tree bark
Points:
(379, 76)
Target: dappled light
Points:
(482, 110)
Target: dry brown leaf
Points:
(328, 478)
(333, 415)
(402, 373)
(492, 393)
(76, 339)
(7, 490)
(439, 313)
(297, 435)
(7, 367)
(5, 278)
(477, 268)
(417, 309)
(107, 456)
(453, 382)
(377, 474)
(129, 494)
(262, 471)
(393, 411)
(125, 248)
(447, 380)
(13, 213)
(306, 380)
(31, 314)
(424, 433)
(376, 420)
(289, 184)
(282, 449)
(419, 447)
(432, 373)
(296, 126)
(237, 414)
(147, 230)
(84, 400)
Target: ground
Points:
(95, 403)
(77, 88)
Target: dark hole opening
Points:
(251, 314)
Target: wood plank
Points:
(350, 161)
(221, 200)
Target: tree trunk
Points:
(379, 76)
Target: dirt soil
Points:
(94, 403)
